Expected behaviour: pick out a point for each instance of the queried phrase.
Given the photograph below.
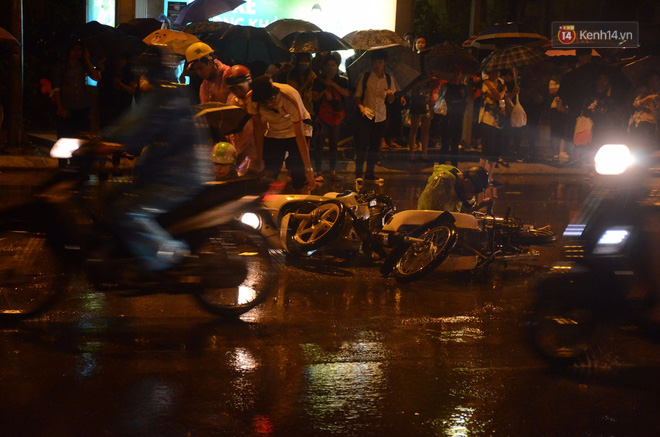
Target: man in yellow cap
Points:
(200, 61)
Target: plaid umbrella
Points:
(366, 39)
(176, 41)
(247, 44)
(445, 57)
(200, 10)
(287, 26)
(503, 35)
(512, 57)
(314, 42)
(204, 27)
(402, 63)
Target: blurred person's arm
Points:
(301, 141)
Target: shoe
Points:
(563, 157)
(319, 177)
(503, 163)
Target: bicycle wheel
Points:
(323, 225)
(424, 256)
(31, 275)
(243, 275)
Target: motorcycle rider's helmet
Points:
(236, 75)
(197, 51)
(478, 176)
(224, 153)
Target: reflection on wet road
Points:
(338, 351)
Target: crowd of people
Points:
(302, 107)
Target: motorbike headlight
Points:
(613, 159)
(252, 220)
(612, 241)
(64, 147)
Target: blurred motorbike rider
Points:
(173, 165)
(449, 189)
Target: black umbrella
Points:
(140, 27)
(506, 34)
(202, 28)
(200, 10)
(286, 26)
(314, 42)
(222, 119)
(105, 41)
(247, 44)
(402, 63)
(445, 57)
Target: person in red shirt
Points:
(198, 55)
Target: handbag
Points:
(518, 115)
(583, 131)
(332, 112)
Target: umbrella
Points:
(7, 38)
(638, 71)
(105, 41)
(512, 57)
(503, 35)
(444, 57)
(286, 26)
(366, 39)
(566, 52)
(223, 119)
(140, 27)
(199, 28)
(200, 10)
(402, 63)
(176, 41)
(314, 42)
(247, 44)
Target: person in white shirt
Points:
(282, 126)
(374, 89)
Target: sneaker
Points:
(563, 157)
(319, 177)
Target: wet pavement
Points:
(337, 351)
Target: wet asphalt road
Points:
(338, 351)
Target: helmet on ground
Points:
(197, 51)
(236, 75)
(224, 153)
(478, 176)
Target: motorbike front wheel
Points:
(31, 275)
(563, 331)
(422, 257)
(243, 275)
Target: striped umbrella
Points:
(512, 57)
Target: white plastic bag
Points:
(518, 115)
(440, 106)
(583, 131)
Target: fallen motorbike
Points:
(421, 241)
(61, 232)
(606, 276)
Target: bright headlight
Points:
(613, 159)
(612, 241)
(252, 220)
(64, 147)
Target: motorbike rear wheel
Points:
(31, 274)
(244, 275)
(423, 257)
